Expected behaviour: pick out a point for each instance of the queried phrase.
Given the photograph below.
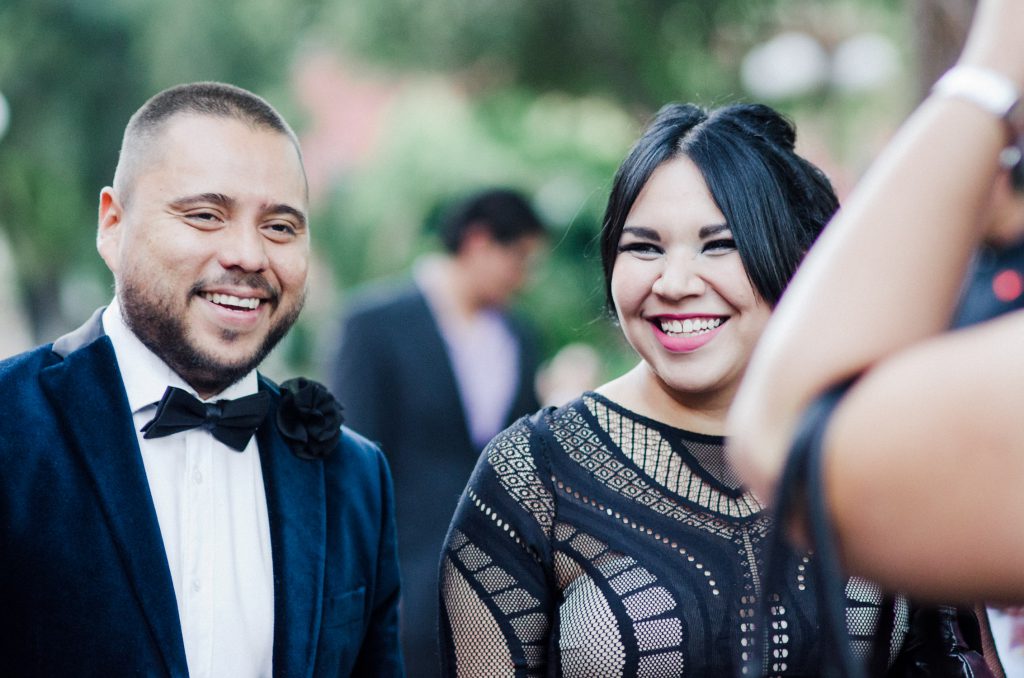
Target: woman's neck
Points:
(640, 391)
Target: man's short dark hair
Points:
(209, 98)
(215, 99)
(503, 213)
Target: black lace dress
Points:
(592, 541)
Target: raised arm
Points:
(925, 455)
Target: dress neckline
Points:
(680, 441)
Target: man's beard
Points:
(163, 331)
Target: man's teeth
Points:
(250, 303)
(690, 325)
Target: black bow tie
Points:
(230, 421)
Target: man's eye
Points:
(720, 245)
(203, 216)
(282, 228)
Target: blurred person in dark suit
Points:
(432, 368)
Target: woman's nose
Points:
(679, 279)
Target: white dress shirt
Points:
(212, 509)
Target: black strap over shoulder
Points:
(801, 491)
(942, 640)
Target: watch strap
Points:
(989, 90)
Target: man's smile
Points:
(233, 302)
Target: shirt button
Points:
(197, 477)
(196, 586)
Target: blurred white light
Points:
(560, 200)
(5, 115)
(788, 65)
(864, 62)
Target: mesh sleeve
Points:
(495, 601)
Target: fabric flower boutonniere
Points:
(309, 418)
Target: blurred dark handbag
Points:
(941, 641)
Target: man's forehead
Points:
(185, 125)
(210, 141)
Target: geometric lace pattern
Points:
(593, 542)
(509, 456)
(583, 443)
(496, 605)
(646, 447)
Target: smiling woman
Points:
(609, 537)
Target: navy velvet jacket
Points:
(85, 588)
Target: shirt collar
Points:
(145, 375)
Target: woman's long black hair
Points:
(774, 201)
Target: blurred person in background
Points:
(609, 537)
(432, 369)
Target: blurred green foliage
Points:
(545, 95)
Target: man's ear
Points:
(108, 232)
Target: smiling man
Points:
(165, 509)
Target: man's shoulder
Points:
(358, 469)
(19, 370)
(383, 298)
(27, 412)
(357, 447)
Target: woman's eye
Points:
(640, 248)
(720, 246)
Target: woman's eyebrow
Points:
(714, 229)
(642, 232)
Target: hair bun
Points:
(761, 121)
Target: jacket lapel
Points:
(86, 392)
(298, 529)
(424, 324)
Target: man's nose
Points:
(244, 248)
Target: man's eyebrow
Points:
(215, 198)
(299, 215)
(642, 232)
(714, 229)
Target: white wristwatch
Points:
(989, 90)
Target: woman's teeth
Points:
(689, 326)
